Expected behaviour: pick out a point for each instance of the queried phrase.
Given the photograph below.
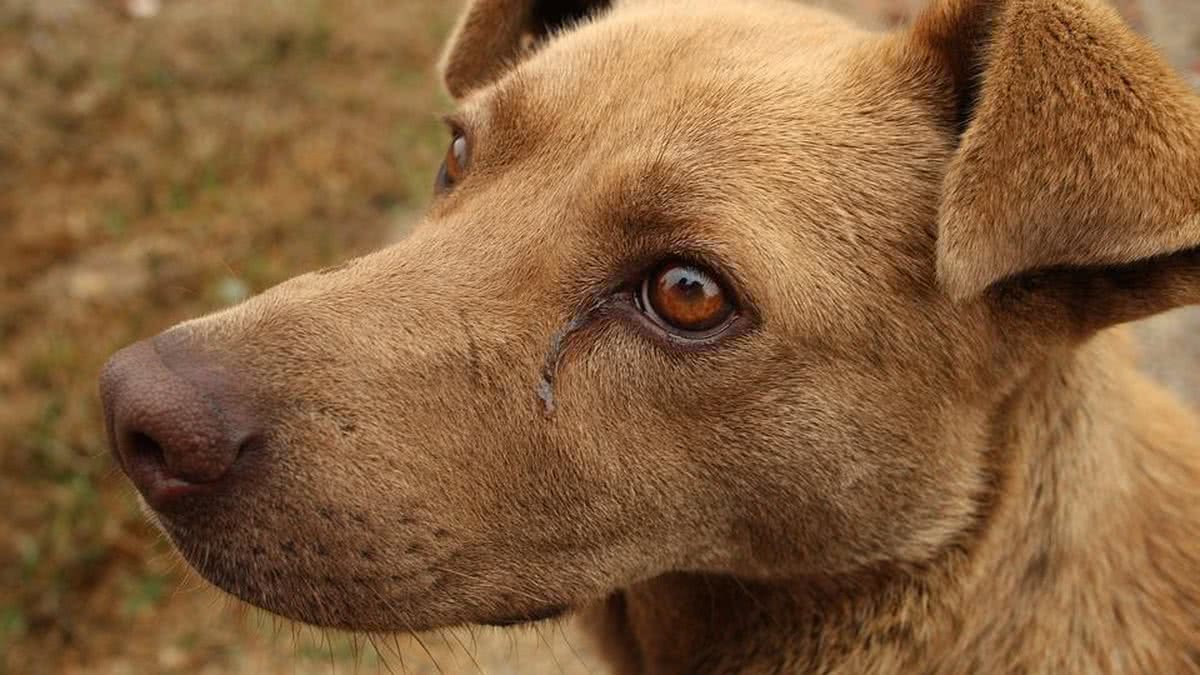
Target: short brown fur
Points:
(930, 451)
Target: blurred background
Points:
(161, 159)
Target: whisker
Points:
(379, 653)
(427, 652)
(399, 653)
(295, 631)
(441, 633)
(354, 645)
(554, 657)
(411, 633)
(467, 652)
(563, 632)
(329, 644)
(474, 644)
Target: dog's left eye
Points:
(686, 300)
(454, 165)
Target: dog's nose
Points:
(175, 423)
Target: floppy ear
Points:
(1078, 159)
(493, 35)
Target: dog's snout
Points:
(175, 421)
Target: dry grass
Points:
(152, 170)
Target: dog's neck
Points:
(1077, 565)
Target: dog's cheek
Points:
(881, 469)
(770, 460)
(657, 437)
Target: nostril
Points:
(145, 461)
(252, 443)
(144, 449)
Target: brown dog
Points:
(771, 344)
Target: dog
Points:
(758, 342)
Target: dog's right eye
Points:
(454, 165)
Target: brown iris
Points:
(686, 298)
(454, 165)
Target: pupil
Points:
(688, 283)
(691, 287)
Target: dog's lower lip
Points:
(550, 612)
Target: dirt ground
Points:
(154, 168)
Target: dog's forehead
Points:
(776, 134)
(691, 69)
(716, 92)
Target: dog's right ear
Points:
(494, 35)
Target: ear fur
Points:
(1080, 148)
(493, 35)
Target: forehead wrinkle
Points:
(661, 196)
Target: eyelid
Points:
(739, 324)
(457, 125)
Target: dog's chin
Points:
(322, 600)
(297, 597)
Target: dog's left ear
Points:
(494, 35)
(1078, 157)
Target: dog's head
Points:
(714, 286)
